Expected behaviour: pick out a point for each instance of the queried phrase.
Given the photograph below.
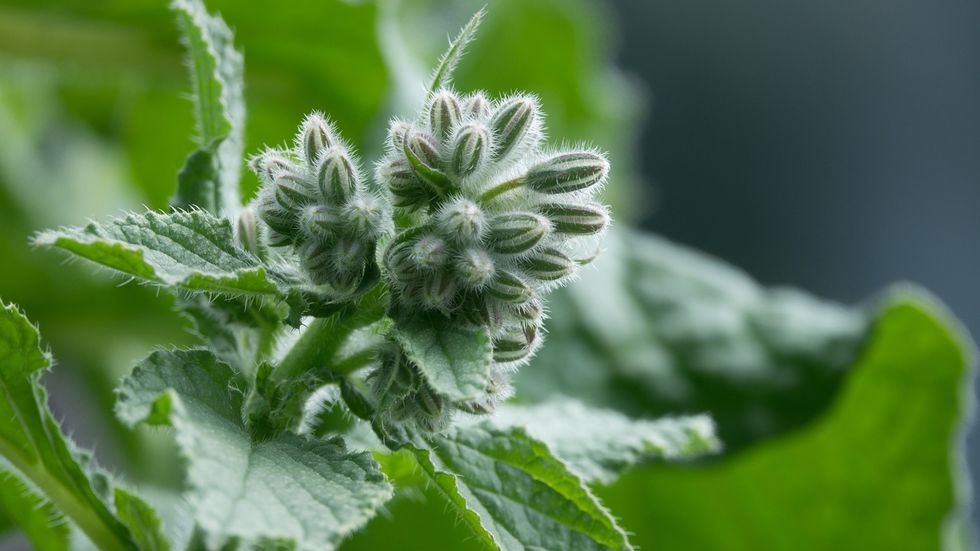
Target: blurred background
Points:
(832, 146)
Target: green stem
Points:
(500, 189)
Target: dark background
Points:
(832, 145)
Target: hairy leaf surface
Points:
(40, 522)
(288, 488)
(454, 360)
(514, 493)
(191, 251)
(599, 444)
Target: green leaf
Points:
(514, 493)
(191, 251)
(142, 521)
(455, 360)
(240, 332)
(210, 177)
(658, 329)
(309, 492)
(41, 523)
(599, 444)
(31, 440)
(877, 471)
(443, 74)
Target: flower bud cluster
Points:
(313, 201)
(488, 221)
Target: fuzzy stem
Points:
(500, 189)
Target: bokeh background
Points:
(832, 146)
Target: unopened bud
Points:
(530, 313)
(508, 287)
(274, 215)
(316, 136)
(430, 252)
(422, 153)
(248, 231)
(444, 113)
(320, 221)
(293, 192)
(397, 132)
(475, 268)
(363, 216)
(517, 233)
(275, 238)
(577, 219)
(429, 402)
(399, 262)
(347, 256)
(548, 264)
(567, 172)
(315, 258)
(483, 313)
(477, 107)
(439, 290)
(471, 147)
(512, 124)
(406, 189)
(462, 221)
(270, 165)
(515, 345)
(336, 176)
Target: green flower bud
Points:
(514, 125)
(315, 258)
(517, 233)
(398, 258)
(567, 172)
(406, 189)
(422, 153)
(471, 147)
(577, 219)
(271, 164)
(515, 345)
(439, 290)
(345, 283)
(462, 221)
(274, 215)
(430, 252)
(397, 133)
(477, 107)
(292, 192)
(508, 287)
(320, 221)
(530, 313)
(430, 403)
(480, 312)
(363, 216)
(444, 113)
(347, 256)
(315, 137)
(548, 264)
(249, 232)
(336, 176)
(475, 268)
(275, 238)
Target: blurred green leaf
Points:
(875, 472)
(658, 329)
(142, 521)
(40, 521)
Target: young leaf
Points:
(142, 521)
(454, 360)
(31, 440)
(240, 332)
(599, 444)
(210, 177)
(880, 470)
(514, 493)
(443, 75)
(191, 251)
(41, 523)
(307, 493)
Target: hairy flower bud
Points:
(517, 233)
(567, 172)
(363, 216)
(577, 219)
(320, 221)
(512, 124)
(275, 238)
(336, 176)
(293, 192)
(406, 189)
(422, 153)
(548, 264)
(397, 132)
(508, 287)
(271, 164)
(315, 257)
(471, 147)
(439, 290)
(444, 113)
(475, 268)
(477, 106)
(248, 231)
(274, 215)
(530, 313)
(315, 136)
(515, 344)
(430, 252)
(480, 312)
(461, 221)
(399, 262)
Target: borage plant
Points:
(354, 331)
